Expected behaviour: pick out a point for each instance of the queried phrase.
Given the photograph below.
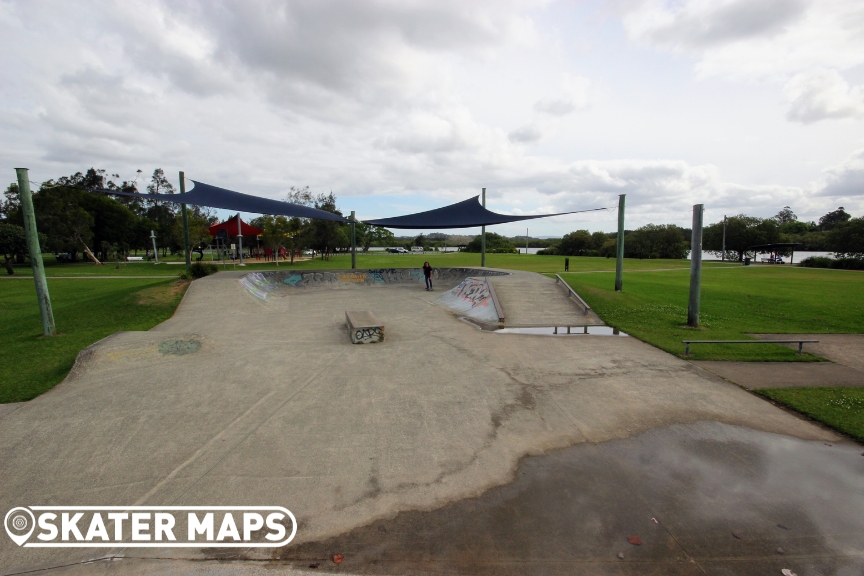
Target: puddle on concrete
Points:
(179, 347)
(706, 498)
(562, 331)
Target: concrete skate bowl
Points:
(264, 285)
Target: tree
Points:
(656, 241)
(598, 239)
(159, 184)
(575, 243)
(846, 239)
(10, 203)
(494, 243)
(277, 230)
(420, 241)
(13, 244)
(325, 235)
(785, 216)
(67, 225)
(832, 219)
(199, 233)
(742, 232)
(367, 235)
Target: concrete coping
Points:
(362, 319)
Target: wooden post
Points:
(695, 267)
(619, 256)
(483, 236)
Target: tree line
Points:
(77, 224)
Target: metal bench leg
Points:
(687, 349)
(800, 347)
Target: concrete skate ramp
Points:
(263, 284)
(474, 298)
(237, 401)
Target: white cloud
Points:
(821, 95)
(847, 179)
(525, 134)
(577, 94)
(371, 99)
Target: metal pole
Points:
(186, 250)
(155, 251)
(695, 267)
(723, 257)
(483, 236)
(353, 242)
(619, 257)
(526, 241)
(240, 239)
(26, 198)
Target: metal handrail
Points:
(800, 343)
(571, 292)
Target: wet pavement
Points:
(726, 500)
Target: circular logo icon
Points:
(19, 523)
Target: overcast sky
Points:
(405, 105)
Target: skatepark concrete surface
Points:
(846, 366)
(239, 401)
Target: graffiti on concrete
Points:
(474, 292)
(293, 279)
(367, 335)
(260, 284)
(473, 298)
(353, 278)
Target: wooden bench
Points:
(364, 327)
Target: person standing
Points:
(427, 273)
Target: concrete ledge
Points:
(364, 327)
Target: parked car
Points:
(397, 251)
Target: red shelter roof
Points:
(230, 226)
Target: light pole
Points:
(526, 241)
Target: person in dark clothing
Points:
(427, 272)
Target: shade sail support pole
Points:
(240, 239)
(695, 267)
(353, 241)
(186, 251)
(483, 236)
(619, 252)
(32, 235)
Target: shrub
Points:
(199, 270)
(848, 263)
(839, 263)
(816, 262)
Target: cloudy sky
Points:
(399, 106)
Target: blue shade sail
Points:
(466, 214)
(215, 197)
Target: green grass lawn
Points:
(839, 408)
(735, 301)
(531, 262)
(84, 312)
